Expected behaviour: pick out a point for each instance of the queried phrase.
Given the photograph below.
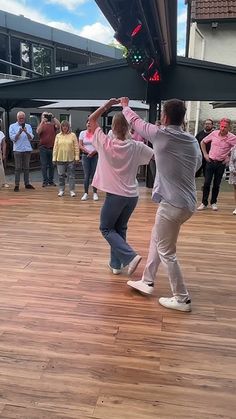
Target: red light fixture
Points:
(152, 74)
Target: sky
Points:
(81, 17)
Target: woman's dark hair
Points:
(175, 110)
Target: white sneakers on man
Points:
(202, 207)
(72, 194)
(95, 196)
(141, 286)
(234, 212)
(174, 304)
(85, 197)
(134, 264)
(60, 193)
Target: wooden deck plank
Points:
(76, 342)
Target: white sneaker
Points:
(60, 193)
(202, 207)
(84, 197)
(234, 212)
(141, 286)
(214, 207)
(174, 304)
(134, 264)
(114, 271)
(72, 193)
(95, 196)
(5, 185)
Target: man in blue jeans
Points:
(47, 130)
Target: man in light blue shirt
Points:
(21, 135)
(177, 157)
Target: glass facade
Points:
(3, 52)
(43, 59)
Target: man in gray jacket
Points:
(177, 157)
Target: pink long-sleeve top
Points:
(118, 163)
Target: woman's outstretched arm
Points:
(93, 118)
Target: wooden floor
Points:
(76, 342)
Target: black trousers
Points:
(214, 170)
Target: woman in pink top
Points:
(118, 162)
(89, 160)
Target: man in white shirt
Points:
(21, 135)
(177, 157)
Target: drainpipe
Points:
(202, 58)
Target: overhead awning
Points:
(217, 105)
(88, 105)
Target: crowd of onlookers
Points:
(59, 147)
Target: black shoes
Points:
(48, 184)
(29, 186)
(16, 189)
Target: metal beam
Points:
(100, 81)
(191, 79)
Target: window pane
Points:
(42, 60)
(3, 52)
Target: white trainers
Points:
(202, 207)
(95, 196)
(234, 212)
(214, 207)
(173, 304)
(114, 271)
(5, 185)
(134, 264)
(72, 193)
(141, 286)
(60, 193)
(84, 197)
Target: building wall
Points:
(215, 45)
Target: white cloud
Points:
(182, 17)
(98, 32)
(17, 7)
(67, 4)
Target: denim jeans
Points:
(65, 169)
(213, 169)
(46, 164)
(22, 161)
(163, 248)
(115, 215)
(89, 167)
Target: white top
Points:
(87, 141)
(118, 163)
(177, 156)
(2, 136)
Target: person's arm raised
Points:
(145, 129)
(93, 118)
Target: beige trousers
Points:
(163, 248)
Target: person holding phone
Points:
(47, 130)
(21, 135)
